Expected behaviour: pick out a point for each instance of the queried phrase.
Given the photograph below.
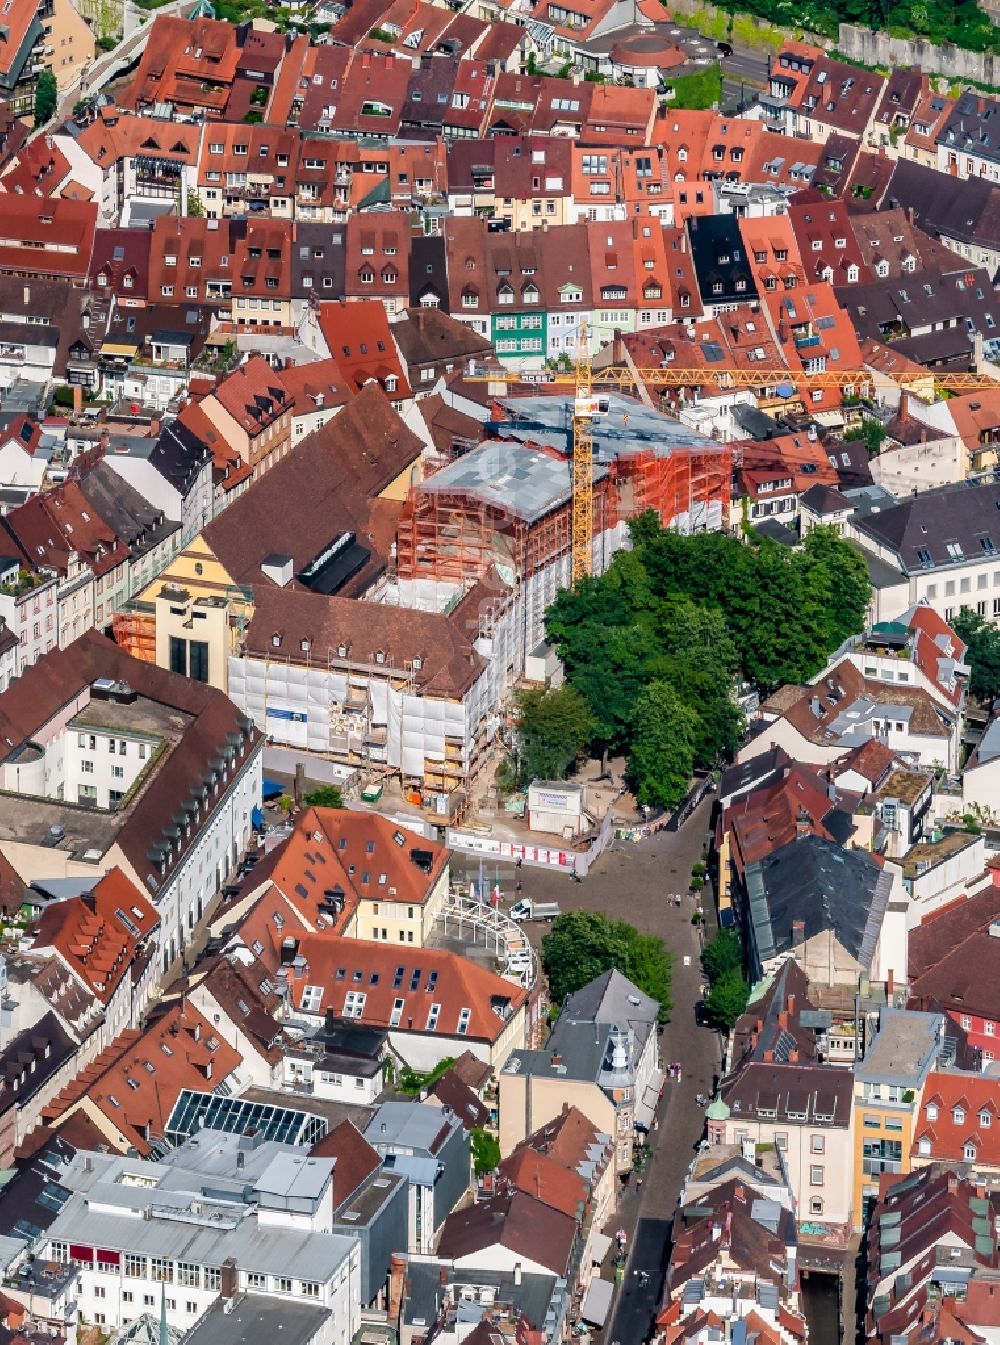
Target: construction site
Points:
(509, 502)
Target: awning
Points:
(600, 1245)
(829, 419)
(597, 1303)
(645, 1108)
(271, 789)
(119, 348)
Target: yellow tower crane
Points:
(587, 407)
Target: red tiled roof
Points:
(254, 395)
(355, 1159)
(360, 341)
(360, 855)
(339, 966)
(52, 528)
(54, 239)
(547, 1180)
(957, 1110)
(98, 934)
(139, 1086)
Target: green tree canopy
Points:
(722, 955)
(485, 1152)
(583, 944)
(662, 756)
(555, 728)
(327, 796)
(983, 640)
(727, 1000)
(46, 97)
(695, 614)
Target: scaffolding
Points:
(456, 535)
(135, 630)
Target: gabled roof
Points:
(451, 1092)
(329, 483)
(921, 528)
(55, 239)
(806, 1093)
(98, 934)
(254, 395)
(361, 340)
(138, 1089)
(32, 1058)
(359, 856)
(539, 1176)
(816, 885)
(515, 1221)
(954, 960)
(420, 977)
(354, 1159)
(956, 1110)
(53, 528)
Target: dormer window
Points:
(102, 278)
(276, 641)
(305, 646)
(379, 656)
(342, 651)
(932, 1111)
(958, 1115)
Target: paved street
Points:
(631, 882)
(747, 64)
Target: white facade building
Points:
(143, 1233)
(28, 605)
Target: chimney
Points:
(798, 933)
(791, 1005)
(228, 1278)
(397, 1285)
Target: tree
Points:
(846, 580)
(694, 614)
(583, 944)
(983, 642)
(327, 796)
(195, 209)
(722, 955)
(662, 756)
(727, 1000)
(555, 728)
(46, 97)
(485, 1152)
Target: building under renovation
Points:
(508, 501)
